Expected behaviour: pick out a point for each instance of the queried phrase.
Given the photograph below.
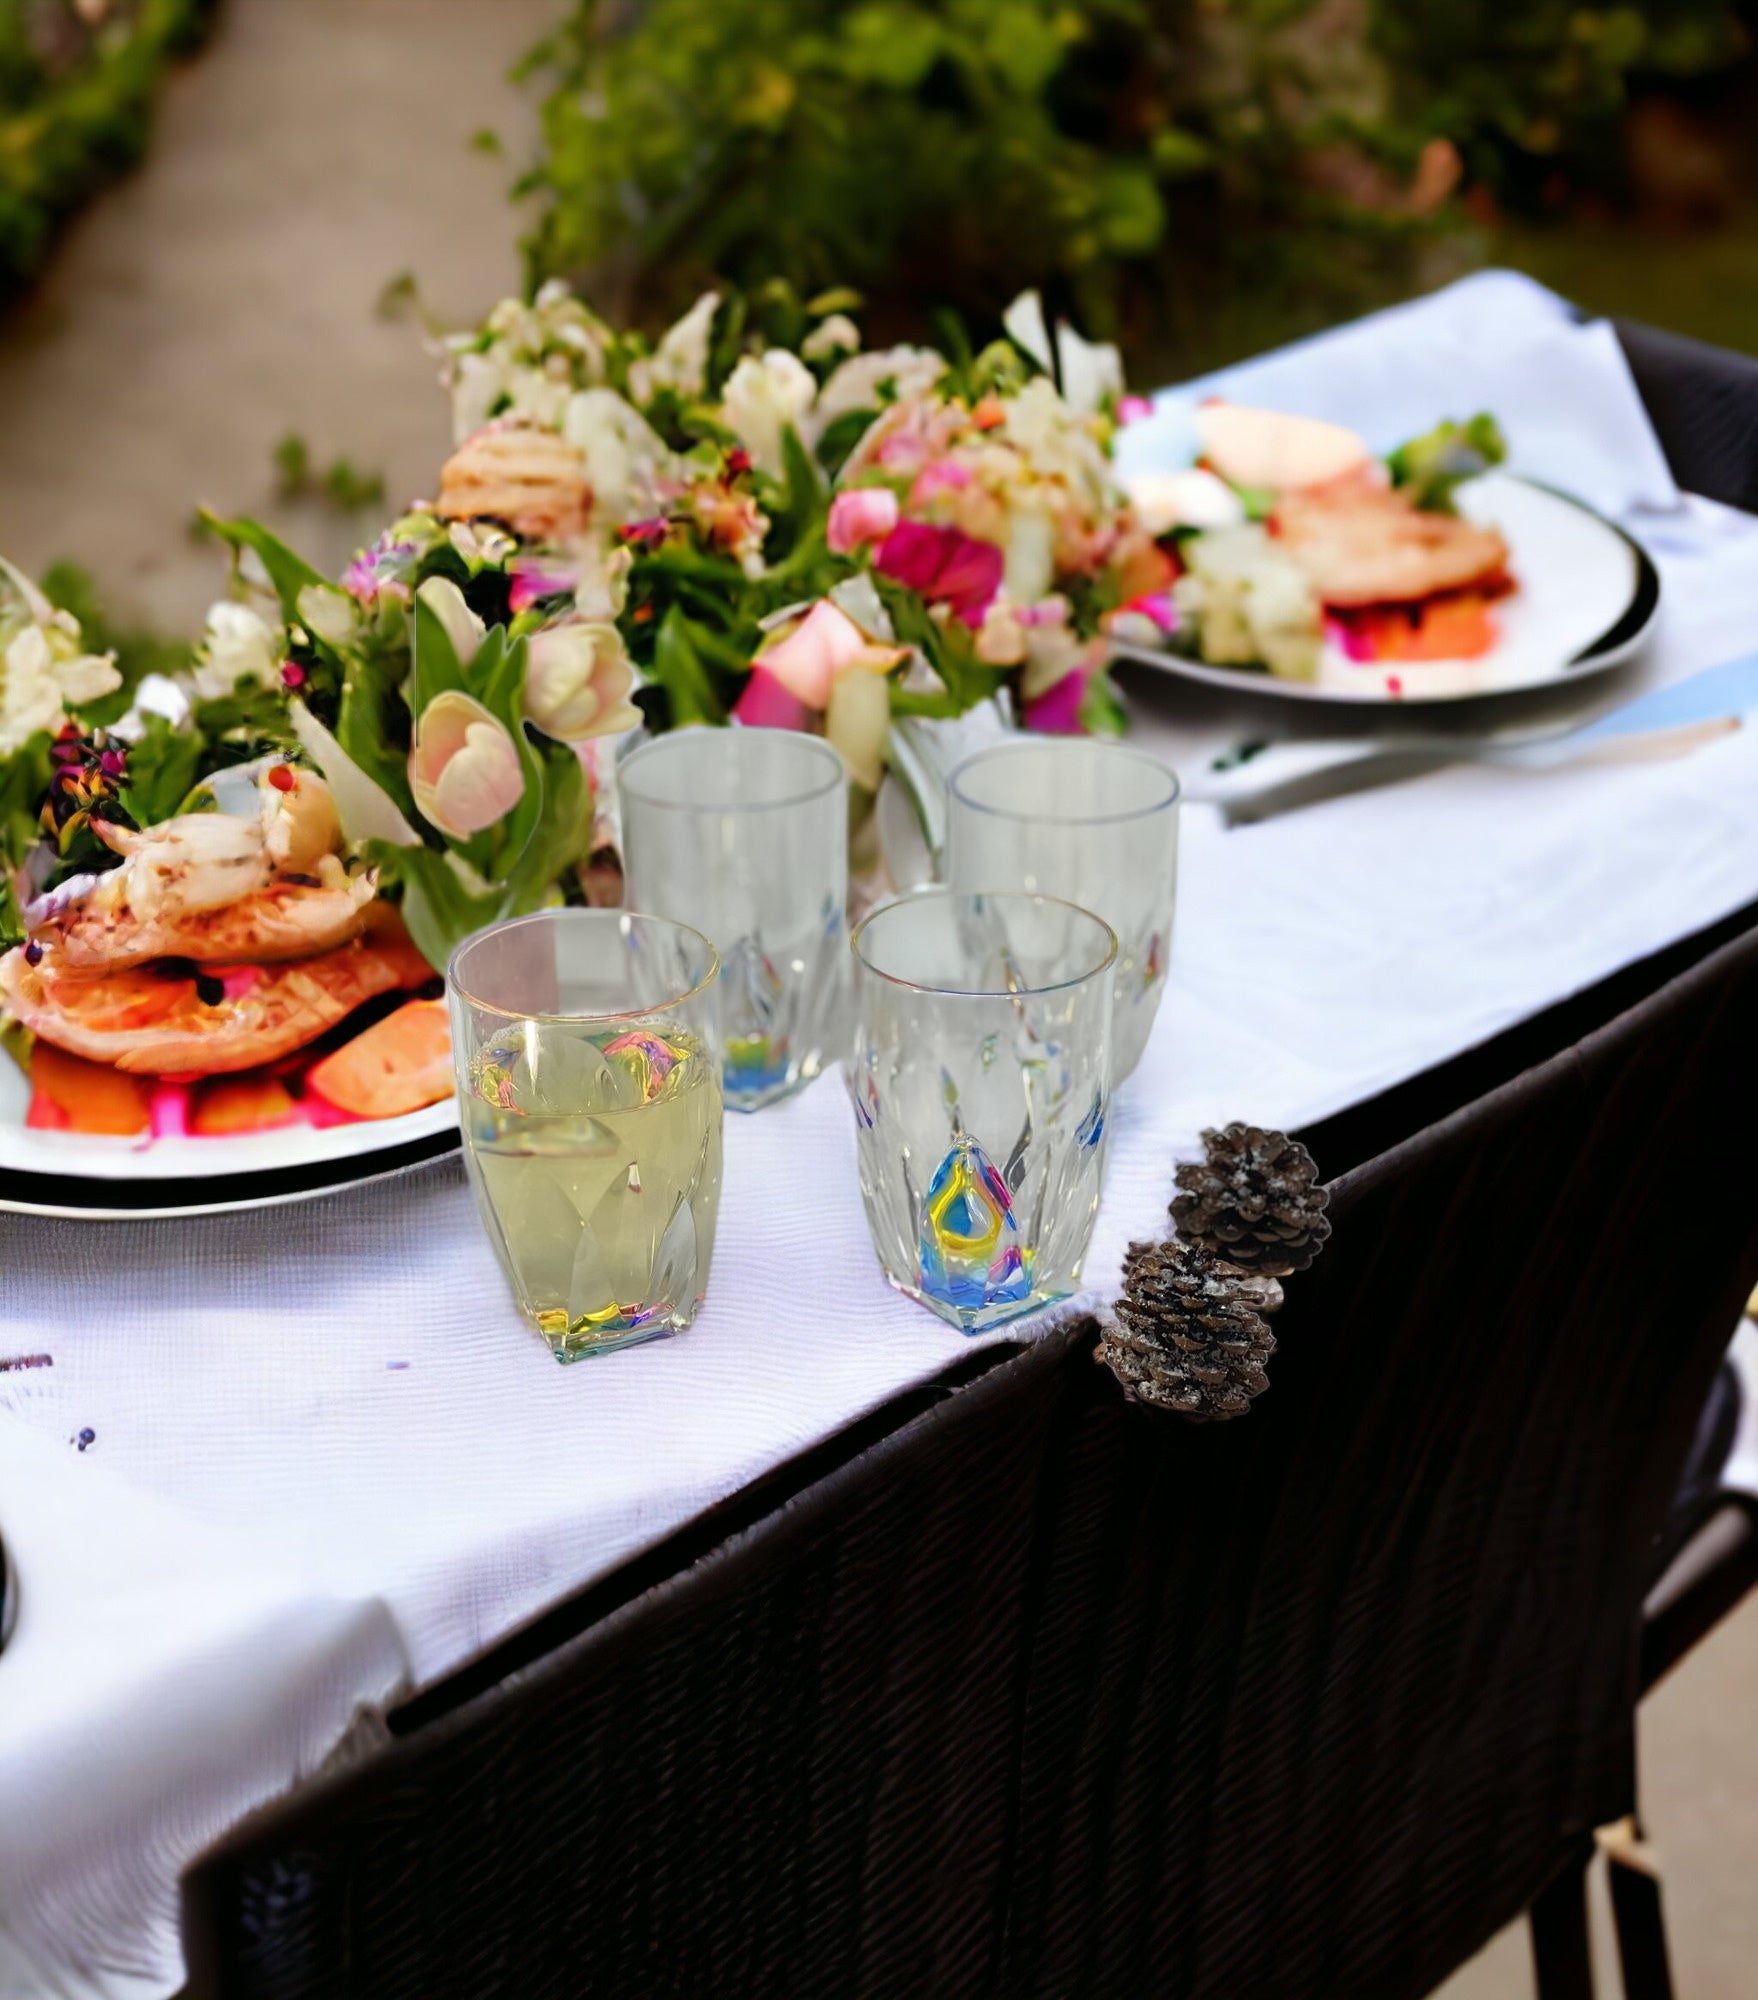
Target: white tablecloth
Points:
(328, 1459)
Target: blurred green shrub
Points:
(77, 83)
(1112, 150)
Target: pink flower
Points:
(944, 475)
(1158, 606)
(767, 704)
(1131, 409)
(534, 579)
(944, 565)
(860, 515)
(1057, 711)
(464, 768)
(825, 643)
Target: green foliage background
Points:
(1126, 154)
(76, 108)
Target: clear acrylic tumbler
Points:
(1093, 823)
(743, 834)
(979, 1074)
(590, 1099)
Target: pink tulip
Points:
(767, 704)
(464, 768)
(861, 515)
(944, 565)
(825, 643)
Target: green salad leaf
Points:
(1431, 467)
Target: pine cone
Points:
(1255, 1199)
(1189, 1332)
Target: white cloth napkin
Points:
(345, 1387)
(1560, 389)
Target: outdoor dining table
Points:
(276, 1469)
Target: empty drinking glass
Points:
(979, 1074)
(590, 1099)
(743, 833)
(1095, 823)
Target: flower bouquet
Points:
(244, 870)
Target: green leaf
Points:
(1430, 468)
(678, 668)
(561, 835)
(373, 724)
(438, 670)
(287, 572)
(437, 908)
(162, 769)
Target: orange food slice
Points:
(397, 1065)
(242, 1104)
(69, 1094)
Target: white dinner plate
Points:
(110, 1180)
(1586, 598)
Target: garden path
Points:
(225, 295)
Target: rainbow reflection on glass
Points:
(979, 1077)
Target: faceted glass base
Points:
(755, 1076)
(978, 1319)
(595, 1334)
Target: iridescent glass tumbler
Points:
(589, 1095)
(1093, 823)
(743, 833)
(979, 1072)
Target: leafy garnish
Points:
(1430, 468)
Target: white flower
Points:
(460, 624)
(856, 384)
(836, 335)
(603, 588)
(239, 646)
(762, 398)
(680, 361)
(1194, 498)
(42, 671)
(478, 383)
(326, 613)
(1055, 441)
(1090, 371)
(1023, 323)
(626, 458)
(1031, 555)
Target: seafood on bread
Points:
(176, 1019)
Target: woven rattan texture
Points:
(1703, 402)
(1045, 1695)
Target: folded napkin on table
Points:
(1559, 387)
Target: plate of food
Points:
(228, 1017)
(1309, 568)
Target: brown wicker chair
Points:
(1041, 1694)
